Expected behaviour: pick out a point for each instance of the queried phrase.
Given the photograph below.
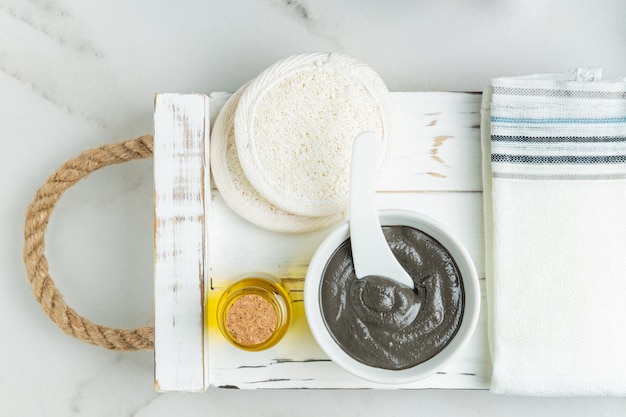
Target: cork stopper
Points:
(251, 320)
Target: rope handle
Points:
(37, 217)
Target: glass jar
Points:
(254, 313)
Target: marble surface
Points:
(78, 74)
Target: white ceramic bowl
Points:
(429, 367)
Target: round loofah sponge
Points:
(237, 191)
(295, 124)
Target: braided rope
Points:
(37, 217)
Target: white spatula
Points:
(370, 252)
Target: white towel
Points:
(554, 151)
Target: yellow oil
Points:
(272, 290)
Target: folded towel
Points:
(554, 171)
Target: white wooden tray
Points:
(201, 246)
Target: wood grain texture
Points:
(434, 168)
(181, 132)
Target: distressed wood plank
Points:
(297, 361)
(434, 169)
(436, 144)
(181, 132)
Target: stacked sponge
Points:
(282, 144)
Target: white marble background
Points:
(78, 74)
